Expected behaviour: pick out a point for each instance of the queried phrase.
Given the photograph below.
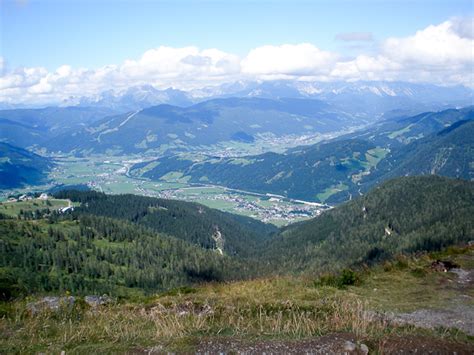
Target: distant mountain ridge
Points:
(206, 123)
(337, 170)
(32, 127)
(375, 97)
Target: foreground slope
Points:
(276, 315)
(404, 215)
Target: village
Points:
(267, 208)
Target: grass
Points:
(261, 308)
(284, 308)
(404, 130)
(408, 284)
(323, 196)
(13, 208)
(374, 156)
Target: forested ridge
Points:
(403, 215)
(191, 222)
(102, 255)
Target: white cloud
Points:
(288, 59)
(440, 53)
(463, 26)
(435, 46)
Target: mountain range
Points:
(207, 123)
(334, 171)
(371, 97)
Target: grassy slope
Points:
(13, 209)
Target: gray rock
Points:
(349, 346)
(51, 303)
(364, 349)
(96, 301)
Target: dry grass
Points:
(263, 308)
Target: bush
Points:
(345, 278)
(348, 277)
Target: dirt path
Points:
(344, 343)
(458, 313)
(329, 344)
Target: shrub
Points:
(345, 278)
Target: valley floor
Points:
(109, 174)
(404, 305)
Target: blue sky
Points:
(88, 33)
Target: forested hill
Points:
(101, 255)
(449, 152)
(19, 167)
(404, 215)
(194, 223)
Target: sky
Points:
(51, 49)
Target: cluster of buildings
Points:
(266, 209)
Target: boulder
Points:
(51, 303)
(96, 301)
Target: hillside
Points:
(100, 255)
(337, 170)
(404, 215)
(450, 152)
(401, 130)
(210, 122)
(19, 167)
(115, 241)
(404, 306)
(33, 127)
(301, 173)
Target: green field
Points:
(323, 196)
(13, 208)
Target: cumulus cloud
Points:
(435, 46)
(292, 60)
(463, 26)
(441, 54)
(355, 37)
(163, 67)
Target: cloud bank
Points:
(439, 54)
